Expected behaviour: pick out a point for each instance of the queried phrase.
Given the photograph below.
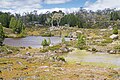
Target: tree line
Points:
(82, 18)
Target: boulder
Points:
(51, 45)
(74, 34)
(43, 67)
(70, 35)
(110, 28)
(80, 32)
(64, 49)
(103, 30)
(28, 53)
(114, 36)
(112, 52)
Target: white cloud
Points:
(56, 1)
(65, 10)
(19, 6)
(102, 4)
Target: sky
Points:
(42, 6)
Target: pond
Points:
(84, 56)
(33, 41)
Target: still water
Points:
(33, 41)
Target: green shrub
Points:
(8, 49)
(49, 41)
(21, 35)
(56, 47)
(117, 47)
(61, 58)
(45, 43)
(115, 30)
(108, 40)
(2, 36)
(47, 34)
(17, 25)
(44, 50)
(63, 40)
(81, 42)
(30, 47)
(94, 49)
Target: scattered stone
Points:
(112, 52)
(47, 70)
(20, 63)
(103, 29)
(110, 28)
(28, 53)
(78, 63)
(74, 34)
(60, 51)
(70, 35)
(114, 36)
(89, 49)
(117, 69)
(64, 49)
(80, 32)
(43, 67)
(51, 45)
(56, 65)
(60, 69)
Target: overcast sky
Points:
(20, 6)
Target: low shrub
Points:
(56, 47)
(81, 42)
(44, 50)
(52, 48)
(45, 43)
(30, 47)
(8, 49)
(117, 47)
(94, 49)
(101, 44)
(115, 30)
(63, 40)
(47, 35)
(21, 35)
(108, 40)
(61, 58)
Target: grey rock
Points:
(28, 53)
(114, 36)
(43, 67)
